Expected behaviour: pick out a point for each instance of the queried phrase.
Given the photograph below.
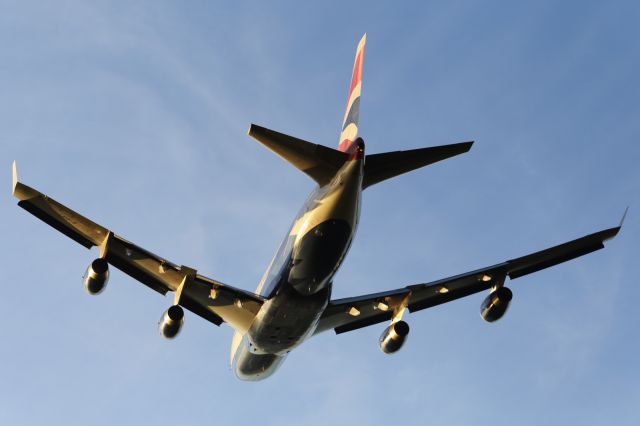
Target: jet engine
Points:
(496, 304)
(171, 322)
(96, 277)
(393, 337)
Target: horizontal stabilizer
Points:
(379, 167)
(317, 161)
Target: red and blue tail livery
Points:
(349, 131)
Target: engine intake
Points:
(171, 322)
(496, 304)
(393, 337)
(96, 277)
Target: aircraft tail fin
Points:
(379, 167)
(316, 161)
(349, 131)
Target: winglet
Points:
(20, 190)
(15, 178)
(624, 216)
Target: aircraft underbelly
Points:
(286, 320)
(250, 366)
(283, 323)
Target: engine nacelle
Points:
(171, 322)
(96, 277)
(496, 304)
(393, 337)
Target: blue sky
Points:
(135, 114)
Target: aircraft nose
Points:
(251, 367)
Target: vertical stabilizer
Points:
(349, 131)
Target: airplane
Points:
(293, 299)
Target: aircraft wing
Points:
(208, 298)
(352, 313)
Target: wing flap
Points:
(236, 307)
(197, 308)
(371, 309)
(442, 291)
(217, 302)
(142, 265)
(42, 211)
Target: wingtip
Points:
(18, 189)
(255, 129)
(14, 177)
(610, 234)
(624, 216)
(466, 146)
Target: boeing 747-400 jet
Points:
(293, 299)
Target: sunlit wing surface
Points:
(208, 298)
(352, 313)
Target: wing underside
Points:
(218, 302)
(353, 313)
(208, 298)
